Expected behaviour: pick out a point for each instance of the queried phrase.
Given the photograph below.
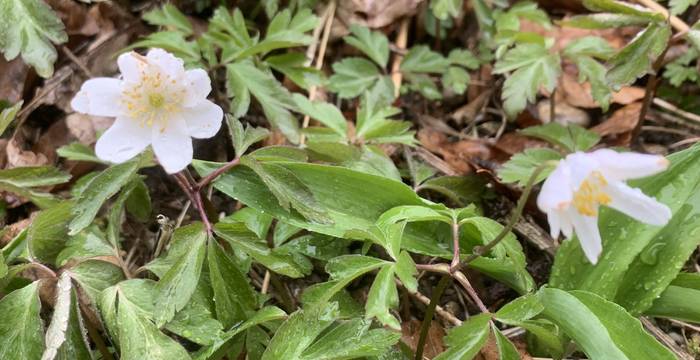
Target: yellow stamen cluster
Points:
(591, 194)
(154, 98)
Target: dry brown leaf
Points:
(14, 229)
(17, 156)
(372, 13)
(457, 154)
(410, 333)
(81, 127)
(621, 121)
(579, 94)
(564, 35)
(513, 143)
(564, 114)
(12, 80)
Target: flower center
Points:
(591, 194)
(156, 100)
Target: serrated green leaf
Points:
(138, 203)
(444, 8)
(243, 139)
(463, 57)
(299, 331)
(240, 238)
(406, 271)
(349, 340)
(29, 27)
(465, 341)
(93, 276)
(456, 78)
(593, 46)
(423, 84)
(532, 66)
(352, 76)
(78, 152)
(234, 297)
(173, 42)
(678, 7)
(604, 21)
(21, 329)
(101, 188)
(506, 349)
(521, 166)
(56, 332)
(176, 287)
(326, 113)
(170, 17)
(373, 43)
(570, 138)
(76, 345)
(420, 59)
(636, 59)
(7, 116)
(275, 99)
(621, 7)
(293, 65)
(523, 308)
(33, 176)
(284, 31)
(593, 71)
(383, 297)
(48, 233)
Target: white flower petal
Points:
(122, 141)
(628, 165)
(167, 62)
(99, 97)
(557, 191)
(554, 220)
(130, 66)
(172, 145)
(636, 204)
(586, 228)
(581, 166)
(203, 120)
(567, 226)
(198, 86)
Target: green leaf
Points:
(465, 341)
(678, 7)
(94, 276)
(289, 190)
(570, 138)
(620, 7)
(174, 42)
(423, 84)
(8, 115)
(520, 167)
(234, 297)
(532, 67)
(349, 340)
(352, 76)
(284, 31)
(170, 17)
(406, 271)
(101, 188)
(383, 297)
(138, 337)
(373, 43)
(593, 71)
(463, 190)
(420, 59)
(240, 238)
(299, 331)
(412, 213)
(29, 27)
(3, 266)
(604, 21)
(593, 46)
(21, 329)
(636, 59)
(176, 287)
(293, 65)
(219, 348)
(523, 308)
(275, 100)
(327, 114)
(603, 330)
(456, 78)
(463, 57)
(33, 176)
(138, 203)
(47, 235)
(76, 345)
(78, 152)
(374, 124)
(674, 304)
(506, 349)
(444, 8)
(241, 138)
(638, 261)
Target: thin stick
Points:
(670, 107)
(319, 61)
(449, 317)
(462, 279)
(401, 40)
(77, 61)
(428, 318)
(454, 265)
(265, 283)
(677, 23)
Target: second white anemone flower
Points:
(582, 182)
(155, 102)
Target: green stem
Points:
(429, 312)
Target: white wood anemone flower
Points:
(155, 102)
(582, 182)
